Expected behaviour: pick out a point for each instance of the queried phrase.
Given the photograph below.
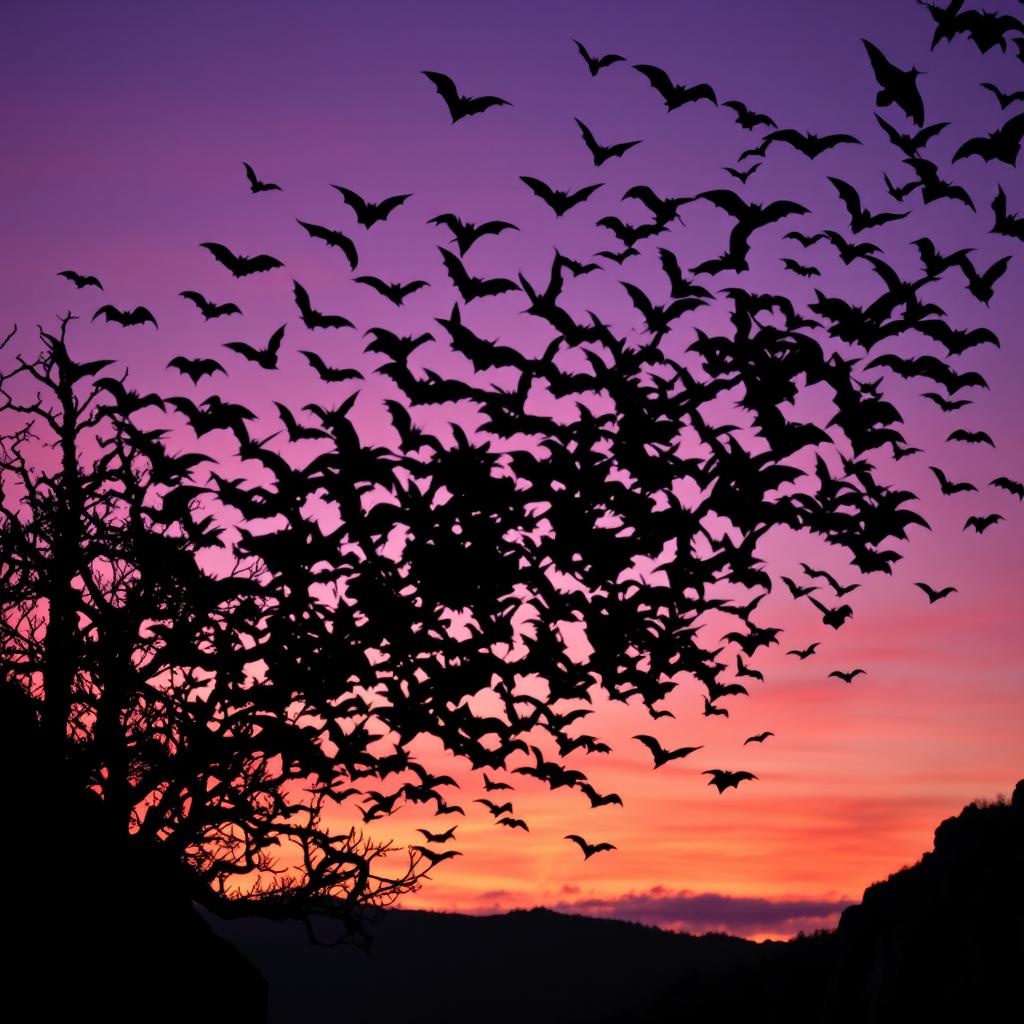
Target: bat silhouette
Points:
(1003, 144)
(847, 677)
(664, 210)
(860, 218)
(747, 118)
(910, 144)
(126, 317)
(596, 64)
(336, 239)
(629, 234)
(255, 185)
(804, 653)
(740, 175)
(812, 146)
(560, 202)
(466, 233)
(933, 187)
(210, 310)
(599, 799)
(947, 486)
(368, 213)
(981, 285)
(195, 369)
(462, 106)
(490, 786)
(496, 809)
(513, 823)
(396, 293)
(723, 780)
(618, 257)
(660, 754)
(434, 857)
(795, 589)
(602, 153)
(81, 280)
(821, 574)
(329, 373)
(471, 288)
(945, 404)
(935, 595)
(675, 95)
(1009, 224)
(1005, 98)
(589, 849)
(971, 437)
(438, 837)
(805, 240)
(895, 85)
(240, 266)
(759, 738)
(313, 318)
(265, 357)
(799, 268)
(1013, 486)
(982, 523)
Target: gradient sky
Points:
(124, 129)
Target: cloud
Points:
(711, 912)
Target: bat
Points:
(589, 849)
(599, 799)
(255, 185)
(491, 786)
(560, 202)
(935, 595)
(971, 437)
(240, 266)
(747, 118)
(1013, 486)
(1003, 144)
(367, 213)
(660, 754)
(336, 239)
(947, 486)
(847, 677)
(812, 146)
(210, 310)
(513, 823)
(596, 64)
(860, 218)
(396, 293)
(741, 176)
(759, 738)
(466, 233)
(910, 144)
(81, 280)
(895, 85)
(126, 317)
(675, 95)
(944, 403)
(471, 288)
(195, 369)
(723, 780)
(804, 653)
(265, 357)
(1005, 98)
(1009, 224)
(313, 318)
(602, 153)
(329, 373)
(434, 857)
(438, 837)
(496, 809)
(982, 523)
(799, 268)
(462, 106)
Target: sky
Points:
(125, 128)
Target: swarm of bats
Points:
(529, 519)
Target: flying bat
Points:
(513, 823)
(895, 85)
(466, 233)
(1009, 224)
(1005, 98)
(982, 523)
(265, 357)
(368, 213)
(740, 175)
(471, 288)
(240, 266)
(1013, 486)
(971, 437)
(935, 595)
(599, 799)
(560, 202)
(949, 487)
(329, 373)
(747, 118)
(810, 145)
(660, 754)
(126, 317)
(589, 849)
(81, 280)
(723, 780)
(675, 95)
(847, 677)
(434, 857)
(438, 837)
(602, 153)
(460, 106)
(255, 185)
(1002, 145)
(799, 268)
(596, 64)
(195, 369)
(313, 318)
(210, 310)
(759, 738)
(336, 239)
(804, 653)
(945, 404)
(860, 218)
(396, 293)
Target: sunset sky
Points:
(124, 129)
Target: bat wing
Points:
(387, 206)
(447, 90)
(539, 188)
(353, 199)
(112, 313)
(849, 195)
(223, 255)
(658, 78)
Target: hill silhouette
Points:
(941, 940)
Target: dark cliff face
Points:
(99, 928)
(944, 939)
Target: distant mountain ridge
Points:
(942, 940)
